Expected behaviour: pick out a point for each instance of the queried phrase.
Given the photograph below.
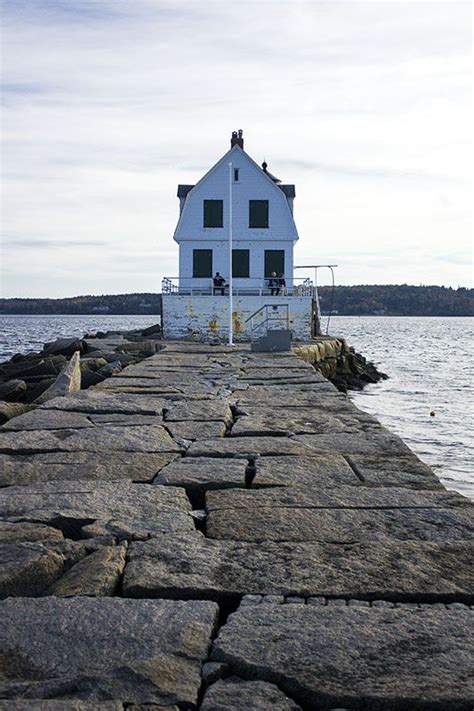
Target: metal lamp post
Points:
(231, 305)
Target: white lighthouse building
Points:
(236, 221)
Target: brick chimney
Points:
(237, 139)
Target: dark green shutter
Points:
(274, 261)
(213, 213)
(240, 263)
(202, 262)
(258, 213)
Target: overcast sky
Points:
(109, 104)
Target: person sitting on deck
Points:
(281, 283)
(219, 284)
(273, 284)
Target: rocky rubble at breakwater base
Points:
(340, 363)
(25, 379)
(215, 529)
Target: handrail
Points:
(270, 315)
(331, 268)
(256, 312)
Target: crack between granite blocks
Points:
(240, 672)
(250, 472)
(237, 667)
(354, 468)
(229, 598)
(397, 600)
(280, 434)
(166, 428)
(23, 452)
(245, 454)
(228, 673)
(118, 591)
(367, 602)
(230, 425)
(226, 608)
(69, 526)
(315, 507)
(245, 671)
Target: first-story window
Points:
(202, 262)
(240, 263)
(274, 262)
(213, 213)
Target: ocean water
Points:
(428, 361)
(430, 367)
(23, 334)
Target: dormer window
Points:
(258, 213)
(213, 213)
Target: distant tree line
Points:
(397, 300)
(105, 304)
(389, 300)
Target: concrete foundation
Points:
(203, 317)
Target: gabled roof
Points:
(289, 190)
(271, 178)
(183, 190)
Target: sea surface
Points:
(428, 361)
(23, 334)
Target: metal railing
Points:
(331, 268)
(268, 317)
(252, 287)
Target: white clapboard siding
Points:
(253, 184)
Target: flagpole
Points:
(230, 258)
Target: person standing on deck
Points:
(273, 284)
(281, 283)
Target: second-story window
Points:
(236, 175)
(213, 213)
(258, 213)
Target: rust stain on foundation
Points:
(236, 323)
(213, 326)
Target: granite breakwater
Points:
(211, 528)
(26, 377)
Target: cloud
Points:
(364, 106)
(367, 171)
(51, 244)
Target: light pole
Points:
(231, 305)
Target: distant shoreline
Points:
(360, 300)
(323, 314)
